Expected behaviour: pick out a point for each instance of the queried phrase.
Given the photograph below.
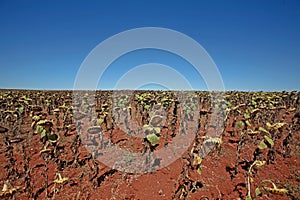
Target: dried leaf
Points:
(255, 110)
(5, 188)
(251, 132)
(276, 126)
(215, 140)
(7, 191)
(45, 150)
(60, 180)
(259, 163)
(275, 190)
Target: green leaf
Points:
(262, 145)
(240, 124)
(269, 140)
(153, 139)
(257, 192)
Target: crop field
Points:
(149, 145)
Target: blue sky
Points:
(255, 44)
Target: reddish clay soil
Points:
(236, 163)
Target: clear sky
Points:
(255, 44)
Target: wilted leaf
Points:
(257, 192)
(157, 129)
(197, 159)
(100, 121)
(147, 107)
(262, 145)
(263, 130)
(240, 124)
(53, 137)
(246, 116)
(146, 125)
(44, 133)
(199, 170)
(21, 109)
(36, 118)
(153, 139)
(248, 123)
(38, 129)
(269, 140)
(248, 197)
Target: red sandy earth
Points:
(176, 181)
